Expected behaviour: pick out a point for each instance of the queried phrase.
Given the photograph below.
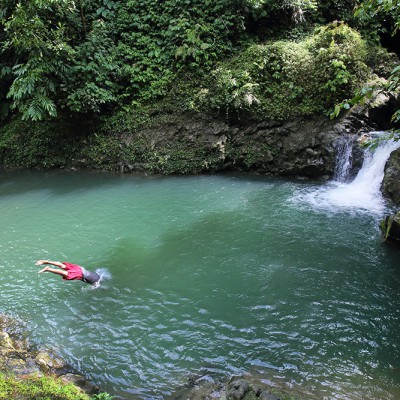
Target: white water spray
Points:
(104, 274)
(344, 155)
(364, 192)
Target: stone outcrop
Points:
(199, 143)
(245, 387)
(391, 181)
(390, 228)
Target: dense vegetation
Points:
(105, 66)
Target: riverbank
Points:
(27, 372)
(194, 143)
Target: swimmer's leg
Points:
(55, 263)
(63, 273)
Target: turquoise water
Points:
(228, 274)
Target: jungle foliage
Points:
(75, 60)
(285, 79)
(93, 56)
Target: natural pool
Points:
(228, 273)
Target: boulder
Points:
(390, 228)
(49, 361)
(391, 181)
(5, 342)
(81, 382)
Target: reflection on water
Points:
(222, 273)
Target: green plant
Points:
(93, 76)
(102, 396)
(286, 79)
(35, 42)
(39, 388)
(367, 11)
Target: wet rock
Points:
(22, 367)
(238, 389)
(268, 396)
(196, 143)
(390, 228)
(245, 387)
(49, 361)
(391, 181)
(20, 359)
(81, 382)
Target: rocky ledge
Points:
(251, 386)
(390, 228)
(19, 358)
(391, 182)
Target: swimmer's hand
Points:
(41, 262)
(43, 270)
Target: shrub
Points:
(287, 79)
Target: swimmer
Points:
(71, 272)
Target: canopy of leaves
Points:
(284, 79)
(92, 56)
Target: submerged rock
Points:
(390, 228)
(251, 386)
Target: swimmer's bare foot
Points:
(43, 270)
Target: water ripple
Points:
(216, 274)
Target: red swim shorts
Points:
(74, 272)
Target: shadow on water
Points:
(60, 183)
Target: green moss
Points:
(251, 156)
(46, 144)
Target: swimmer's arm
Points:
(55, 263)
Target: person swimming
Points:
(71, 272)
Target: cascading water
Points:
(363, 193)
(344, 155)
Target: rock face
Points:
(198, 143)
(390, 228)
(391, 181)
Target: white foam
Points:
(104, 274)
(362, 194)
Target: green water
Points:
(223, 274)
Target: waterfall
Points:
(344, 158)
(364, 192)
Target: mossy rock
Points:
(390, 228)
(6, 342)
(48, 361)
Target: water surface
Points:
(227, 274)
